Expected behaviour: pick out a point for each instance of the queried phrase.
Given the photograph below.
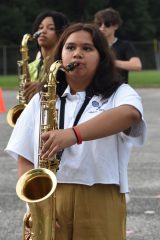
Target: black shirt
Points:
(123, 50)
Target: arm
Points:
(23, 165)
(110, 122)
(133, 64)
(31, 88)
(107, 123)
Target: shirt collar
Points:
(67, 93)
(114, 41)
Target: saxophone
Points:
(24, 77)
(37, 186)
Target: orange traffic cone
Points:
(2, 104)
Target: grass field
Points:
(136, 79)
(145, 78)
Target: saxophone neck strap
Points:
(79, 114)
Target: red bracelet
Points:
(77, 134)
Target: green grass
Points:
(136, 79)
(9, 82)
(148, 78)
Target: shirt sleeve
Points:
(21, 141)
(130, 50)
(127, 95)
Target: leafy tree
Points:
(141, 18)
(137, 22)
(154, 8)
(10, 26)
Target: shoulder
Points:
(125, 94)
(34, 63)
(122, 47)
(125, 49)
(123, 43)
(33, 105)
(35, 100)
(125, 90)
(33, 69)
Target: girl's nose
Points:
(43, 31)
(78, 53)
(102, 26)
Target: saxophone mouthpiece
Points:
(71, 66)
(37, 34)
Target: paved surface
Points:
(143, 221)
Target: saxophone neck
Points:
(27, 37)
(57, 65)
(24, 44)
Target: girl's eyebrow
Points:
(84, 44)
(50, 24)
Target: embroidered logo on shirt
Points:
(98, 106)
(95, 104)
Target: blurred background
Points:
(141, 21)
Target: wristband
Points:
(77, 134)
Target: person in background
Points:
(109, 21)
(50, 24)
(97, 120)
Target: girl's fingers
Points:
(53, 152)
(49, 153)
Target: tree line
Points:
(141, 18)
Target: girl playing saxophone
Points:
(99, 118)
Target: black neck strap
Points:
(79, 114)
(62, 112)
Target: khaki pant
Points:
(90, 213)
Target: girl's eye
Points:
(88, 49)
(40, 27)
(52, 28)
(69, 47)
(83, 48)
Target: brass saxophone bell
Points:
(14, 113)
(37, 188)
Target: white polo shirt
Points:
(103, 160)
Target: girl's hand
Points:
(30, 89)
(56, 140)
